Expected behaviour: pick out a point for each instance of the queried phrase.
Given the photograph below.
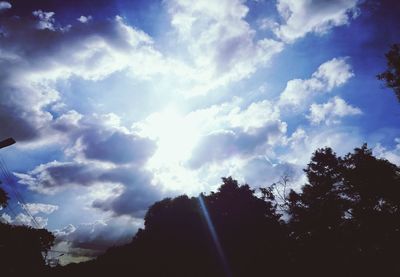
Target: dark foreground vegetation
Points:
(344, 222)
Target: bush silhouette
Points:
(22, 248)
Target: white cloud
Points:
(5, 5)
(331, 112)
(68, 121)
(267, 24)
(84, 19)
(329, 75)
(302, 143)
(36, 208)
(392, 155)
(184, 141)
(305, 16)
(46, 20)
(256, 115)
(221, 44)
(334, 73)
(263, 171)
(24, 219)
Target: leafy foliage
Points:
(22, 249)
(391, 75)
(347, 217)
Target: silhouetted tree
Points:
(346, 220)
(22, 248)
(251, 232)
(231, 232)
(317, 216)
(373, 187)
(391, 75)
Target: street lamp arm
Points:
(6, 142)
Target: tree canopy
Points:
(391, 75)
(22, 248)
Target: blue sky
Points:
(120, 104)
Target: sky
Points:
(118, 104)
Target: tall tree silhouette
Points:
(317, 216)
(373, 186)
(391, 75)
(347, 219)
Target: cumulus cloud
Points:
(331, 112)
(84, 19)
(263, 171)
(136, 196)
(5, 5)
(102, 138)
(221, 44)
(24, 219)
(224, 144)
(54, 176)
(133, 192)
(329, 75)
(303, 16)
(302, 143)
(392, 155)
(115, 147)
(46, 20)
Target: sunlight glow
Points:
(176, 136)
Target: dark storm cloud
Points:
(224, 144)
(97, 141)
(55, 176)
(136, 197)
(101, 138)
(21, 113)
(116, 147)
(42, 48)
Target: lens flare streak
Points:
(214, 236)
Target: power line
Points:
(9, 177)
(25, 206)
